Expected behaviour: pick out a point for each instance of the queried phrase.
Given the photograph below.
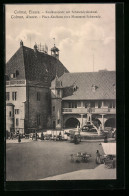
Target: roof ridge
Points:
(43, 53)
(90, 72)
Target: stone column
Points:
(81, 104)
(81, 120)
(102, 121)
(102, 104)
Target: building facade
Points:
(28, 78)
(42, 94)
(78, 98)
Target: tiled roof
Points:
(16, 62)
(34, 65)
(103, 81)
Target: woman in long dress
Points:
(98, 155)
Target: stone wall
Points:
(36, 107)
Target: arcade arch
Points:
(72, 123)
(111, 122)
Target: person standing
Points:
(75, 139)
(105, 139)
(60, 136)
(42, 136)
(12, 136)
(98, 159)
(19, 138)
(36, 136)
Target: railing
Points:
(74, 110)
(91, 110)
(105, 110)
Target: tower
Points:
(56, 104)
(55, 52)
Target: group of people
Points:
(43, 137)
(11, 135)
(18, 136)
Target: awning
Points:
(109, 148)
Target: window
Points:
(110, 104)
(53, 108)
(14, 96)
(38, 119)
(7, 96)
(92, 104)
(58, 121)
(74, 88)
(38, 96)
(94, 87)
(78, 104)
(99, 104)
(105, 103)
(86, 104)
(17, 121)
(69, 104)
(74, 104)
(16, 111)
(58, 92)
(13, 75)
(10, 114)
(17, 73)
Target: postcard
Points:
(60, 92)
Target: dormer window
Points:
(94, 87)
(74, 88)
(17, 73)
(13, 75)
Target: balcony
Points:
(86, 110)
(75, 110)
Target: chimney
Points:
(21, 43)
(35, 48)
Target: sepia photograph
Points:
(60, 92)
